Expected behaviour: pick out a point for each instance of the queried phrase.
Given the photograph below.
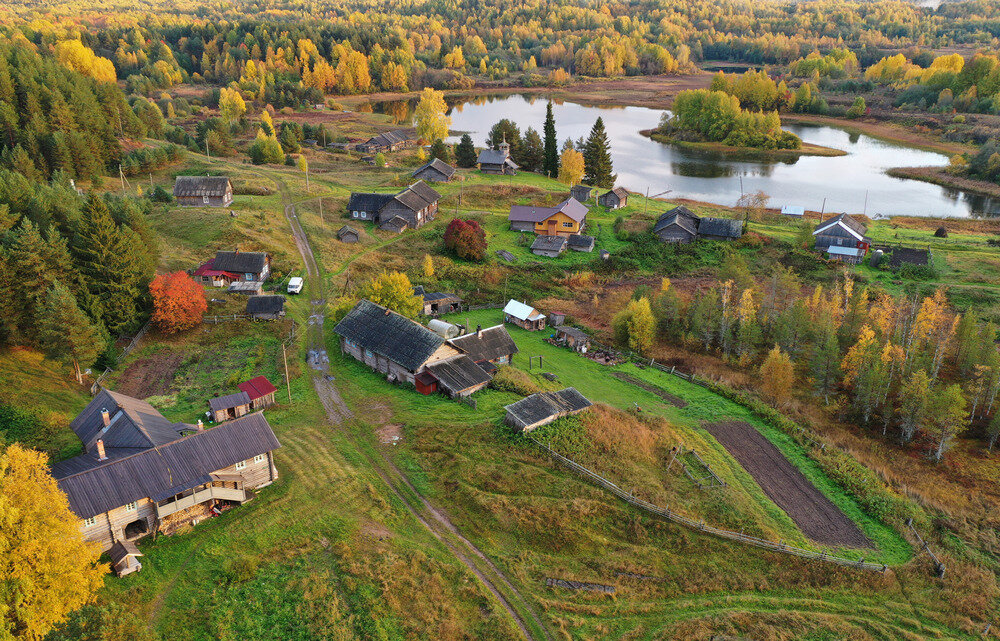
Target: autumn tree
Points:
(428, 266)
(178, 302)
(303, 165)
(231, 105)
(598, 169)
(429, 117)
(67, 333)
(826, 357)
(777, 376)
(394, 291)
(915, 404)
(949, 418)
(46, 568)
(466, 238)
(571, 167)
(635, 326)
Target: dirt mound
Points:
(816, 515)
(676, 401)
(150, 376)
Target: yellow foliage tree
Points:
(46, 569)
(777, 376)
(78, 57)
(394, 291)
(231, 104)
(428, 266)
(429, 116)
(571, 167)
(634, 326)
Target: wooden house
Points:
(490, 346)
(613, 199)
(403, 350)
(231, 266)
(138, 473)
(436, 170)
(223, 408)
(580, 243)
(388, 141)
(679, 225)
(548, 246)
(543, 408)
(497, 161)
(573, 338)
(260, 391)
(437, 303)
(271, 307)
(565, 219)
(842, 238)
(581, 193)
(523, 315)
(413, 206)
(348, 234)
(720, 228)
(203, 191)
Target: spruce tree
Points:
(465, 152)
(597, 158)
(532, 151)
(551, 164)
(66, 332)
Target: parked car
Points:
(295, 285)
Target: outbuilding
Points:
(581, 192)
(497, 161)
(720, 228)
(260, 391)
(271, 307)
(573, 338)
(436, 170)
(523, 315)
(549, 246)
(679, 225)
(543, 408)
(437, 303)
(613, 199)
(229, 406)
(203, 191)
(580, 243)
(348, 234)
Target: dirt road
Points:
(434, 519)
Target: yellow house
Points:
(566, 219)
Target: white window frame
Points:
(205, 200)
(259, 458)
(90, 522)
(240, 465)
(131, 507)
(567, 224)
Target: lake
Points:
(855, 183)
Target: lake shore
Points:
(745, 153)
(882, 130)
(940, 176)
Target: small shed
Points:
(580, 243)
(229, 406)
(203, 191)
(573, 338)
(581, 192)
(852, 255)
(348, 234)
(679, 225)
(436, 303)
(396, 225)
(613, 199)
(125, 557)
(269, 307)
(260, 391)
(605, 254)
(549, 246)
(556, 318)
(720, 228)
(436, 170)
(425, 382)
(523, 315)
(793, 210)
(248, 287)
(543, 408)
(459, 376)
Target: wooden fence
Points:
(701, 526)
(96, 387)
(213, 320)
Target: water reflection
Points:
(855, 183)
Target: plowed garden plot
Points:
(817, 517)
(150, 376)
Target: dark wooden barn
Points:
(203, 191)
(269, 307)
(436, 170)
(613, 199)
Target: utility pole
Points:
(865, 210)
(323, 220)
(284, 357)
(207, 151)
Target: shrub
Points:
(466, 238)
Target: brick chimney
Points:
(101, 456)
(105, 416)
(479, 331)
(201, 425)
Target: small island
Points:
(714, 121)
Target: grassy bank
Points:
(940, 176)
(745, 153)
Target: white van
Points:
(295, 285)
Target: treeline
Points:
(908, 367)
(716, 116)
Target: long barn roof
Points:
(386, 333)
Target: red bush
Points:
(466, 238)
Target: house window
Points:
(130, 507)
(259, 458)
(241, 465)
(249, 276)
(368, 353)
(567, 224)
(204, 199)
(355, 214)
(91, 522)
(502, 360)
(364, 215)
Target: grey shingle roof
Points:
(228, 401)
(94, 487)
(494, 343)
(240, 262)
(459, 374)
(396, 224)
(575, 333)
(580, 241)
(134, 423)
(265, 304)
(197, 186)
(495, 157)
(418, 196)
(346, 230)
(389, 334)
(438, 165)
(848, 221)
(538, 407)
(549, 243)
(724, 227)
(368, 202)
(388, 138)
(679, 215)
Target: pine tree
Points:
(67, 333)
(440, 151)
(532, 151)
(597, 158)
(826, 358)
(465, 152)
(550, 165)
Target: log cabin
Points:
(436, 170)
(140, 473)
(231, 266)
(842, 238)
(497, 161)
(613, 199)
(581, 192)
(413, 206)
(203, 191)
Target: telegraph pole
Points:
(288, 389)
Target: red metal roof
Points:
(208, 270)
(257, 387)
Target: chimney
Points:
(479, 331)
(101, 456)
(201, 426)
(105, 416)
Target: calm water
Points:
(855, 183)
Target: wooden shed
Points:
(270, 307)
(348, 234)
(613, 199)
(523, 315)
(260, 391)
(679, 225)
(575, 339)
(542, 408)
(436, 170)
(229, 406)
(581, 193)
(203, 191)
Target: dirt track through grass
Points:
(816, 515)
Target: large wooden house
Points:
(203, 191)
(565, 219)
(387, 141)
(497, 161)
(141, 473)
(681, 225)
(842, 238)
(231, 266)
(436, 170)
(407, 352)
(410, 208)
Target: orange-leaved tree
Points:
(178, 302)
(46, 568)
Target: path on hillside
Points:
(337, 411)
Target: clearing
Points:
(816, 515)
